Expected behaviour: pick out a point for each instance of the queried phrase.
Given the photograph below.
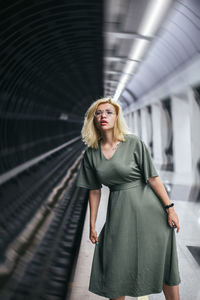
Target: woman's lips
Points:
(103, 122)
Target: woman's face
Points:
(105, 116)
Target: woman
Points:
(135, 253)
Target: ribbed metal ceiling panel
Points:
(51, 54)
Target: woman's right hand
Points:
(93, 235)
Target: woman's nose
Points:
(102, 114)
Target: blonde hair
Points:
(91, 134)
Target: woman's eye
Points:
(109, 112)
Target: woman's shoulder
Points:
(134, 141)
(89, 151)
(132, 137)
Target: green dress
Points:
(136, 253)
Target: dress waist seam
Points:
(126, 185)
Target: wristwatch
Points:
(168, 206)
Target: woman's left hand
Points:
(173, 219)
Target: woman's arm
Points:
(94, 199)
(159, 188)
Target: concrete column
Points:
(128, 119)
(157, 133)
(135, 123)
(194, 114)
(145, 125)
(139, 122)
(181, 123)
(132, 121)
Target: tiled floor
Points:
(189, 235)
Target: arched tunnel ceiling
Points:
(51, 56)
(176, 41)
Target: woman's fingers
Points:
(176, 225)
(93, 239)
(178, 228)
(174, 222)
(93, 236)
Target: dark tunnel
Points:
(56, 58)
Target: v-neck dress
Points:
(136, 252)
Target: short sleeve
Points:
(86, 177)
(144, 160)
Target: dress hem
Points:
(145, 293)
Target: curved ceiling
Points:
(177, 41)
(51, 56)
(54, 58)
(174, 40)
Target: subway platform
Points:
(188, 247)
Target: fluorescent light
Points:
(154, 14)
(136, 51)
(118, 91)
(121, 86)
